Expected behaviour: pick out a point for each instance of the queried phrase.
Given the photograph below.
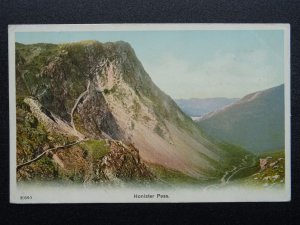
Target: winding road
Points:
(229, 174)
(73, 126)
(48, 150)
(245, 164)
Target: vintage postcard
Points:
(149, 113)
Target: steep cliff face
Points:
(93, 117)
(102, 91)
(49, 149)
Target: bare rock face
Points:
(82, 160)
(272, 171)
(75, 164)
(121, 164)
(51, 122)
(263, 163)
(124, 162)
(93, 117)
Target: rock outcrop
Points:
(124, 162)
(83, 160)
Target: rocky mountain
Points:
(88, 98)
(256, 122)
(49, 149)
(197, 107)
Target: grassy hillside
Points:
(171, 177)
(272, 175)
(256, 122)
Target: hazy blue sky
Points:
(201, 64)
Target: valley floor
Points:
(262, 171)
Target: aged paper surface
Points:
(149, 113)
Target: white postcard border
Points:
(44, 194)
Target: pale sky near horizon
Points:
(195, 64)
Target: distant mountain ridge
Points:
(196, 107)
(255, 122)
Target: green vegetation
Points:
(171, 176)
(246, 172)
(132, 125)
(146, 119)
(256, 125)
(273, 174)
(76, 54)
(274, 154)
(110, 91)
(52, 74)
(233, 153)
(42, 170)
(30, 133)
(32, 140)
(159, 131)
(83, 54)
(171, 113)
(96, 148)
(135, 109)
(78, 123)
(30, 59)
(106, 91)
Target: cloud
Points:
(225, 74)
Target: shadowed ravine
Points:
(76, 104)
